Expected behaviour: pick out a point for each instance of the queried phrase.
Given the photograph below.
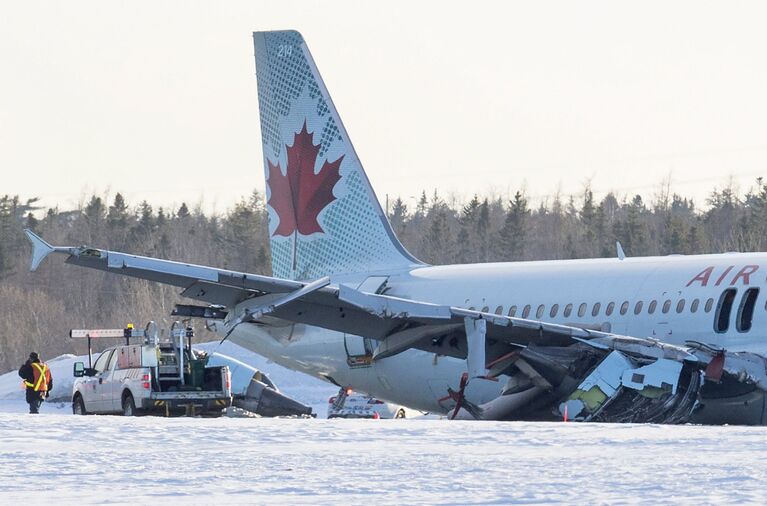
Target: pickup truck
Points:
(162, 378)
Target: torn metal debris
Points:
(629, 380)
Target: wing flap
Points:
(215, 293)
(499, 327)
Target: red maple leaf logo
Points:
(300, 195)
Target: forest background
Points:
(39, 308)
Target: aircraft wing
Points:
(398, 323)
(207, 284)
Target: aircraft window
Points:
(609, 309)
(680, 306)
(568, 310)
(694, 305)
(624, 307)
(709, 305)
(499, 310)
(101, 362)
(512, 311)
(485, 309)
(554, 310)
(666, 306)
(539, 311)
(746, 310)
(638, 307)
(652, 306)
(723, 309)
(595, 309)
(526, 311)
(582, 309)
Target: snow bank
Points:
(305, 389)
(61, 371)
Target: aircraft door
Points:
(359, 350)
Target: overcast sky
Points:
(158, 99)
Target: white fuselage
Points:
(603, 294)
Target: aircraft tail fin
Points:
(324, 217)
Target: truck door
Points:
(97, 396)
(112, 385)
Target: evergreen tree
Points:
(588, 217)
(183, 211)
(32, 222)
(438, 238)
(483, 231)
(118, 212)
(514, 232)
(398, 217)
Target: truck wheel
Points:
(78, 405)
(129, 405)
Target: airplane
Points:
(669, 339)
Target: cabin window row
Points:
(582, 309)
(722, 314)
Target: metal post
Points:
(181, 357)
(90, 353)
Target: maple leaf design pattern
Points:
(300, 195)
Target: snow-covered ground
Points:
(108, 459)
(66, 459)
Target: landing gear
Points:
(457, 397)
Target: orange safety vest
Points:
(42, 377)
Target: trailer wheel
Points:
(400, 414)
(78, 405)
(129, 405)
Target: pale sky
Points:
(158, 99)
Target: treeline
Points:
(39, 308)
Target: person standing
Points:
(38, 380)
